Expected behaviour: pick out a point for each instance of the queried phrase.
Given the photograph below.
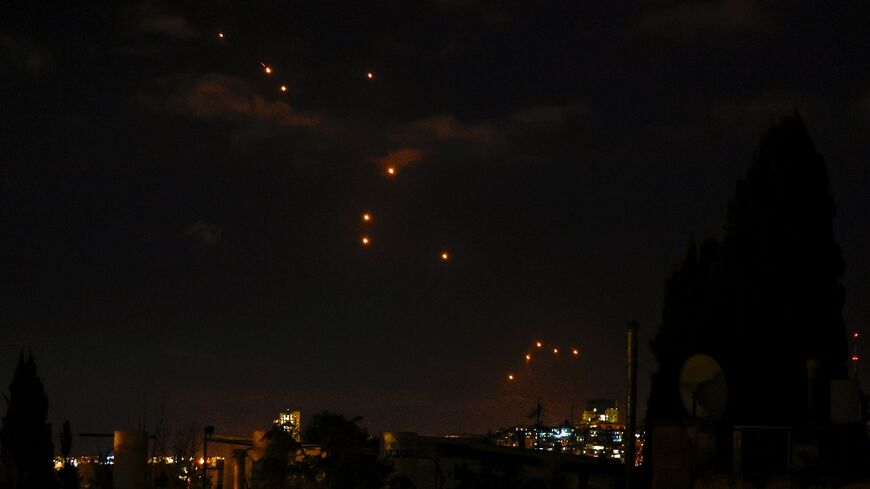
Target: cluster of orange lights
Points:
(540, 345)
(366, 219)
(366, 240)
(268, 70)
(391, 171)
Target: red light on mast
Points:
(856, 334)
(855, 358)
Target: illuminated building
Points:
(598, 434)
(600, 411)
(291, 422)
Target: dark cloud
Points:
(412, 142)
(864, 104)
(765, 107)
(220, 97)
(205, 233)
(18, 53)
(687, 20)
(179, 353)
(146, 18)
(489, 12)
(546, 114)
(400, 158)
(444, 128)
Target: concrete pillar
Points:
(235, 476)
(130, 470)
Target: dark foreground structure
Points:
(763, 305)
(430, 462)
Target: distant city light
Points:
(539, 344)
(366, 217)
(268, 70)
(370, 75)
(856, 334)
(391, 170)
(556, 351)
(365, 240)
(445, 256)
(283, 88)
(575, 351)
(221, 35)
(510, 376)
(528, 357)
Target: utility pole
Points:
(630, 402)
(208, 431)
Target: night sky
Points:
(179, 232)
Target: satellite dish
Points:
(702, 387)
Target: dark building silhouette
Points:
(764, 300)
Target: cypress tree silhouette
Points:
(351, 463)
(26, 448)
(768, 297)
(778, 283)
(69, 475)
(685, 302)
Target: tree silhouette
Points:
(767, 297)
(69, 475)
(279, 469)
(26, 448)
(351, 455)
(780, 276)
(65, 440)
(685, 302)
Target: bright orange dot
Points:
(539, 344)
(445, 256)
(370, 75)
(575, 351)
(391, 171)
(268, 70)
(365, 240)
(283, 88)
(855, 358)
(556, 351)
(856, 334)
(367, 217)
(510, 376)
(221, 35)
(528, 357)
